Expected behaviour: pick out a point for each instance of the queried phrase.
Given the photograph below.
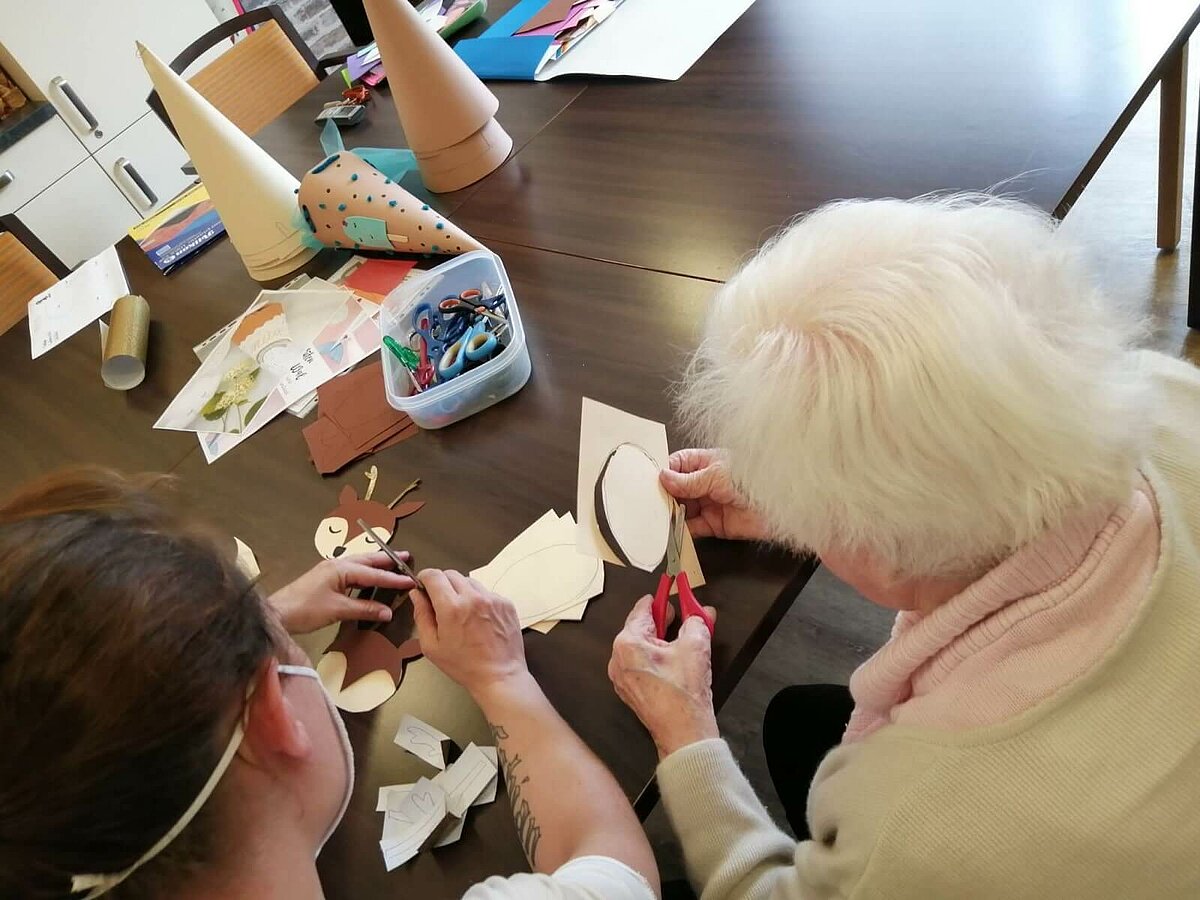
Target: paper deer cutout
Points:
(339, 532)
(363, 667)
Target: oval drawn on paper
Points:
(632, 509)
(535, 595)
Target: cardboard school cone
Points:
(349, 203)
(254, 195)
(446, 111)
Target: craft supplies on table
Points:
(489, 372)
(645, 39)
(180, 230)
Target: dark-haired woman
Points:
(162, 736)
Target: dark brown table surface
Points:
(615, 185)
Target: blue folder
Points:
(497, 53)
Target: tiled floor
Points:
(830, 629)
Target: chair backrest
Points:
(27, 268)
(256, 79)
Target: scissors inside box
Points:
(456, 334)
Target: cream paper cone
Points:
(349, 203)
(445, 110)
(254, 195)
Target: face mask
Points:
(347, 750)
(98, 885)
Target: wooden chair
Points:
(27, 267)
(256, 79)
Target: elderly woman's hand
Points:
(668, 684)
(700, 480)
(320, 596)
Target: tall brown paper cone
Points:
(254, 195)
(445, 110)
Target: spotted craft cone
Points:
(348, 203)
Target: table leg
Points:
(1172, 125)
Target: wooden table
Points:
(623, 203)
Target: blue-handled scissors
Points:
(475, 346)
(427, 323)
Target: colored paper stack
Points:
(354, 420)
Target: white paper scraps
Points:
(245, 561)
(649, 39)
(390, 792)
(488, 795)
(451, 833)
(76, 301)
(543, 573)
(413, 823)
(424, 741)
(465, 779)
(103, 336)
(602, 429)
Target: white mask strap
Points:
(98, 885)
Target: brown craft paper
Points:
(124, 364)
(445, 110)
(254, 195)
(554, 11)
(344, 188)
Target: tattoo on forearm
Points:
(528, 830)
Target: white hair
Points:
(933, 382)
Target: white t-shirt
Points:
(584, 878)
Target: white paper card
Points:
(602, 428)
(421, 740)
(411, 822)
(76, 301)
(390, 792)
(465, 779)
(649, 39)
(489, 792)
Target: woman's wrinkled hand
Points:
(668, 684)
(700, 480)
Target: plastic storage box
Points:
(501, 376)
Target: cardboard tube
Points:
(124, 364)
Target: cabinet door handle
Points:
(136, 178)
(6, 178)
(80, 107)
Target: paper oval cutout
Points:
(632, 509)
(524, 581)
(369, 692)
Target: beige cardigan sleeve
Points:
(733, 849)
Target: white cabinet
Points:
(86, 47)
(37, 161)
(80, 214)
(145, 152)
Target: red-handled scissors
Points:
(688, 606)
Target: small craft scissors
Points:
(476, 345)
(469, 302)
(688, 606)
(403, 567)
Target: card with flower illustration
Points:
(261, 351)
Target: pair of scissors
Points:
(688, 606)
(467, 304)
(475, 346)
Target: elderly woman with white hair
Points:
(933, 398)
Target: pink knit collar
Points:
(933, 643)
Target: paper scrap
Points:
(413, 823)
(245, 561)
(354, 420)
(543, 572)
(662, 39)
(465, 779)
(602, 429)
(425, 742)
(374, 279)
(488, 795)
(75, 302)
(392, 793)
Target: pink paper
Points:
(551, 30)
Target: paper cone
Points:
(446, 111)
(254, 195)
(349, 203)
